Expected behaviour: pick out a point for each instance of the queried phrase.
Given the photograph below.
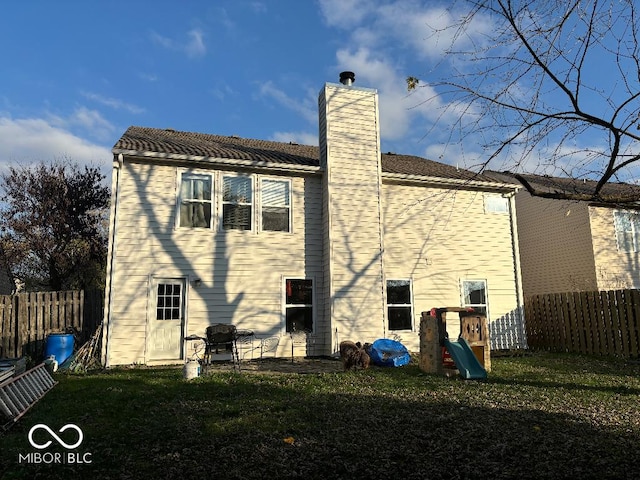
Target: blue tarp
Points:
(385, 352)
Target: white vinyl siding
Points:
(438, 237)
(240, 276)
(350, 156)
(556, 248)
(615, 268)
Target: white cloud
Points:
(149, 77)
(306, 108)
(345, 13)
(114, 103)
(30, 140)
(302, 138)
(91, 121)
(399, 110)
(193, 47)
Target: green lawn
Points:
(539, 416)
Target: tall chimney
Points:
(347, 78)
(349, 139)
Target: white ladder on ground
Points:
(19, 393)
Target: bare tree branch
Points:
(553, 86)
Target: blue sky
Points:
(76, 74)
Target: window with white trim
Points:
(495, 203)
(195, 201)
(627, 225)
(474, 294)
(298, 304)
(237, 202)
(399, 307)
(275, 205)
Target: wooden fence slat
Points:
(585, 339)
(633, 324)
(576, 343)
(611, 338)
(597, 324)
(26, 319)
(619, 327)
(601, 323)
(595, 304)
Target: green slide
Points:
(466, 362)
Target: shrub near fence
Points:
(27, 318)
(601, 323)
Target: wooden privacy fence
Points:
(602, 323)
(27, 318)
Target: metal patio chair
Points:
(221, 339)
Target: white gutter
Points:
(450, 182)
(113, 223)
(218, 161)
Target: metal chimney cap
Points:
(347, 78)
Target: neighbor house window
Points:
(399, 309)
(275, 202)
(496, 204)
(195, 201)
(298, 304)
(474, 294)
(627, 226)
(237, 202)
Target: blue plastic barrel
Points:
(60, 345)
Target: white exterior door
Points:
(166, 322)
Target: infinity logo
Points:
(58, 439)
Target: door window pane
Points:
(169, 302)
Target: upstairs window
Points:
(627, 225)
(275, 201)
(195, 201)
(399, 308)
(237, 202)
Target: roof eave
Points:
(451, 182)
(213, 161)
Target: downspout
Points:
(115, 200)
(516, 265)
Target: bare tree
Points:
(553, 82)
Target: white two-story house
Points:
(341, 240)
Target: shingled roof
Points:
(169, 143)
(544, 185)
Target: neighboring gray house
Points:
(340, 240)
(568, 245)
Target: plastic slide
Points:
(466, 362)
